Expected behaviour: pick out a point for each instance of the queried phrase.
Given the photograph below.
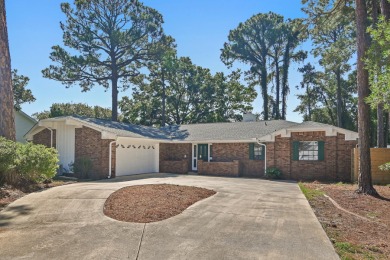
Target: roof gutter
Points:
(51, 137)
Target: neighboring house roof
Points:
(217, 132)
(20, 112)
(23, 123)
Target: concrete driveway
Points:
(246, 219)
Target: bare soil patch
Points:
(152, 202)
(354, 237)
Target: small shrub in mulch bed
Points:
(152, 202)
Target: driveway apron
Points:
(246, 219)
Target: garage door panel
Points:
(134, 157)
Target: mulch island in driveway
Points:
(365, 235)
(151, 203)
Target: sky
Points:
(200, 28)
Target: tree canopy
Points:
(21, 94)
(74, 109)
(192, 94)
(262, 40)
(108, 42)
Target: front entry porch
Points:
(219, 159)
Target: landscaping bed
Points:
(361, 228)
(151, 203)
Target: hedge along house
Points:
(305, 150)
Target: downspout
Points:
(51, 137)
(109, 159)
(265, 155)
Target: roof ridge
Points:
(237, 122)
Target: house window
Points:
(256, 152)
(308, 151)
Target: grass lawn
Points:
(362, 229)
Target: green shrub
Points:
(7, 160)
(273, 173)
(82, 167)
(26, 161)
(36, 162)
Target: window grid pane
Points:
(257, 152)
(308, 151)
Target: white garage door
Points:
(136, 156)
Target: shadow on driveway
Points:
(10, 212)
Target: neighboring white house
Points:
(23, 123)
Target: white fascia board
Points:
(72, 122)
(52, 122)
(209, 141)
(141, 139)
(34, 130)
(107, 135)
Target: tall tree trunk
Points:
(380, 139)
(379, 114)
(277, 81)
(364, 179)
(339, 99)
(264, 91)
(386, 131)
(7, 120)
(309, 101)
(114, 96)
(163, 97)
(383, 129)
(385, 9)
(286, 64)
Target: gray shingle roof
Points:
(124, 129)
(227, 131)
(199, 132)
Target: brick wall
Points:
(175, 152)
(251, 168)
(219, 168)
(90, 145)
(225, 152)
(44, 137)
(337, 157)
(174, 166)
(335, 167)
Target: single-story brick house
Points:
(307, 150)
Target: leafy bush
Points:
(82, 167)
(36, 162)
(273, 173)
(26, 161)
(7, 159)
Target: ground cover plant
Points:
(151, 203)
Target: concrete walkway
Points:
(246, 219)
